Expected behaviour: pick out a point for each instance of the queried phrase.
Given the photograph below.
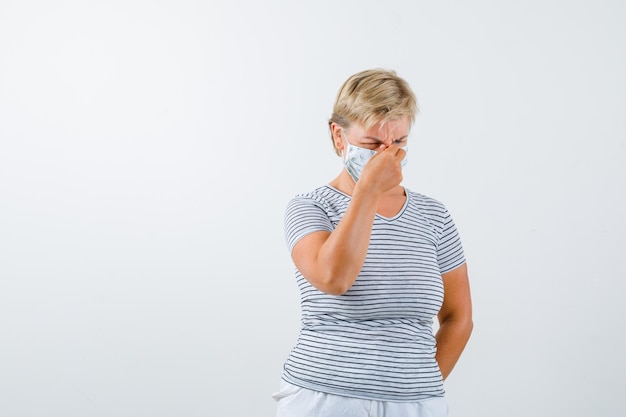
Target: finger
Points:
(378, 150)
(393, 148)
(396, 151)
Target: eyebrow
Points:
(380, 141)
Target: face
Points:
(387, 133)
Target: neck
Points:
(344, 183)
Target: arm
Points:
(455, 319)
(331, 262)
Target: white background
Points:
(148, 150)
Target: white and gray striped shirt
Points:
(376, 340)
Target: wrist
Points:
(363, 191)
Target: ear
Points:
(337, 133)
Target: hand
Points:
(383, 171)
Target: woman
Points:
(375, 262)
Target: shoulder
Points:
(426, 204)
(307, 213)
(325, 197)
(433, 211)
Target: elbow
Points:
(333, 284)
(329, 278)
(337, 291)
(467, 323)
(463, 323)
(332, 287)
(468, 327)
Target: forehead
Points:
(388, 128)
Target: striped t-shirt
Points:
(376, 340)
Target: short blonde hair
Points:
(372, 96)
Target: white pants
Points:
(294, 401)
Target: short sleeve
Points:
(450, 250)
(304, 215)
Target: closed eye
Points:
(376, 142)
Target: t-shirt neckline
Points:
(380, 216)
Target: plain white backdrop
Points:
(148, 150)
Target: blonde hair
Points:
(372, 96)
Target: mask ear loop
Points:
(346, 150)
(346, 144)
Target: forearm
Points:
(344, 251)
(452, 337)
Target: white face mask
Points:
(356, 157)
